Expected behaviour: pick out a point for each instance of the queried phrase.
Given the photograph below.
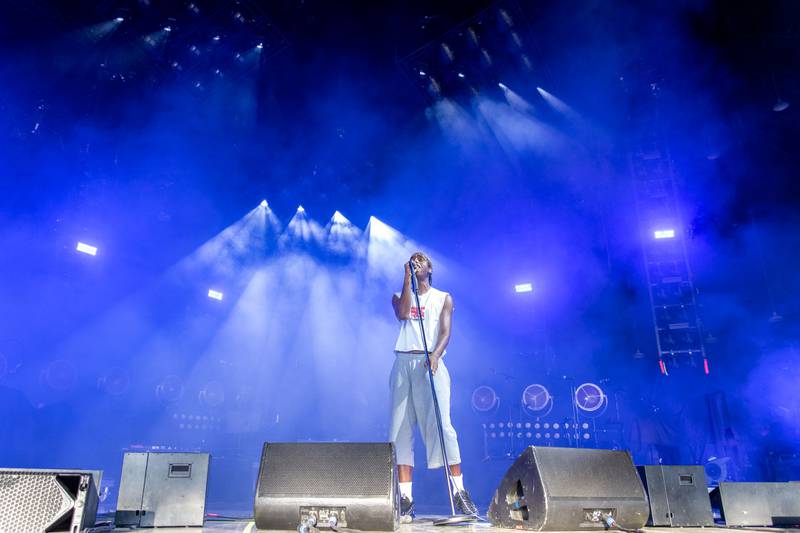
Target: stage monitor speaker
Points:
(162, 489)
(758, 504)
(567, 489)
(354, 482)
(47, 501)
(678, 495)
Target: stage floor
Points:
(425, 525)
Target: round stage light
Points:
(590, 398)
(484, 399)
(536, 400)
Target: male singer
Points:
(412, 401)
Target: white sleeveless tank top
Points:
(410, 337)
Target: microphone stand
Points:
(453, 518)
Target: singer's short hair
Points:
(427, 259)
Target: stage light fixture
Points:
(422, 73)
(664, 233)
(119, 19)
(780, 105)
(215, 38)
(301, 209)
(502, 86)
(259, 46)
(264, 204)
(461, 75)
(214, 295)
(167, 29)
(86, 248)
(484, 400)
(523, 287)
(339, 218)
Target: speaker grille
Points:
(326, 470)
(609, 473)
(30, 501)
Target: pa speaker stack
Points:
(567, 489)
(52, 501)
(353, 483)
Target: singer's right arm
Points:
(402, 305)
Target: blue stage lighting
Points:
(119, 19)
(460, 74)
(339, 218)
(215, 295)
(264, 204)
(167, 28)
(523, 287)
(86, 248)
(664, 233)
(260, 46)
(502, 86)
(301, 209)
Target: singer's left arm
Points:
(445, 326)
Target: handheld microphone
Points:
(413, 275)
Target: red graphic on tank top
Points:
(415, 313)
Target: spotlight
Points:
(502, 86)
(422, 73)
(523, 287)
(215, 38)
(86, 249)
(119, 19)
(780, 105)
(264, 204)
(461, 75)
(339, 218)
(260, 46)
(484, 399)
(215, 295)
(167, 29)
(664, 233)
(301, 209)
